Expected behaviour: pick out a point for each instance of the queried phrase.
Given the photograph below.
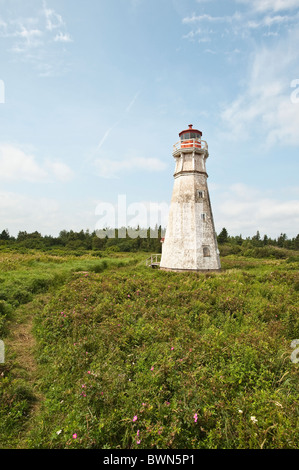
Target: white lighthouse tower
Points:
(190, 242)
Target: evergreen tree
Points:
(223, 236)
(4, 235)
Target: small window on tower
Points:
(206, 252)
(203, 217)
(186, 136)
(201, 194)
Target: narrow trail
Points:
(21, 345)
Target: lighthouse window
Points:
(200, 194)
(186, 136)
(206, 252)
(203, 217)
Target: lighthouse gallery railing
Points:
(190, 143)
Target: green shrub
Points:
(134, 358)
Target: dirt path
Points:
(21, 345)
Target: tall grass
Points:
(131, 357)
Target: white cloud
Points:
(242, 25)
(63, 37)
(269, 21)
(273, 5)
(61, 171)
(53, 19)
(20, 212)
(205, 17)
(19, 165)
(265, 104)
(30, 38)
(243, 209)
(15, 164)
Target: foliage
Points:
(131, 357)
(78, 243)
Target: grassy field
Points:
(107, 353)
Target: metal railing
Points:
(190, 143)
(154, 260)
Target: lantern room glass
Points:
(190, 135)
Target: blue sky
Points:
(93, 95)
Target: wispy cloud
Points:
(105, 136)
(131, 104)
(209, 18)
(29, 38)
(264, 104)
(53, 19)
(269, 21)
(273, 5)
(63, 37)
(127, 110)
(257, 15)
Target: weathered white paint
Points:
(190, 233)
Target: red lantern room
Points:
(190, 138)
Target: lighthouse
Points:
(190, 242)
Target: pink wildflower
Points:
(152, 368)
(135, 418)
(75, 436)
(195, 418)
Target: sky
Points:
(94, 93)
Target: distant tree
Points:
(223, 236)
(22, 236)
(4, 235)
(63, 237)
(281, 240)
(256, 239)
(238, 240)
(98, 243)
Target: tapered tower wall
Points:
(190, 241)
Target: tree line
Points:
(282, 241)
(86, 240)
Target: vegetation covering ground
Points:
(104, 352)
